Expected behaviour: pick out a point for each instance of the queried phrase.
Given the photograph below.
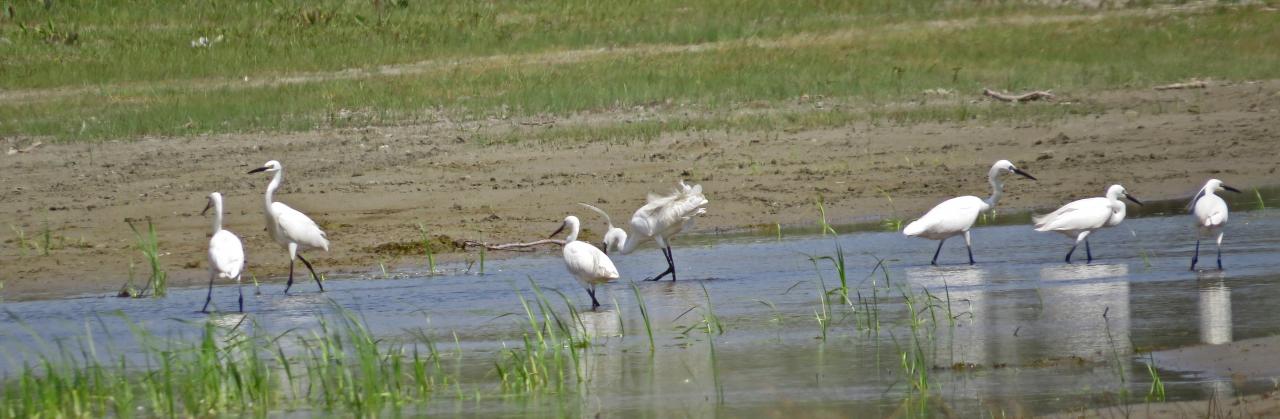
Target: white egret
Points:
(226, 254)
(956, 215)
(585, 262)
(1081, 217)
(1211, 214)
(614, 237)
(663, 217)
(291, 229)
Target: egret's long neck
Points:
(573, 233)
(271, 187)
(217, 216)
(997, 186)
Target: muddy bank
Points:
(370, 188)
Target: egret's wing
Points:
(226, 254)
(298, 227)
(1082, 214)
(664, 212)
(586, 261)
(1211, 211)
(952, 216)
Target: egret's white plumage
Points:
(1211, 214)
(614, 237)
(956, 215)
(226, 254)
(585, 262)
(290, 228)
(661, 218)
(1080, 218)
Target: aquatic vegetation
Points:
(149, 245)
(1156, 393)
(431, 257)
(644, 314)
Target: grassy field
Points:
(131, 70)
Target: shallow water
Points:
(1029, 332)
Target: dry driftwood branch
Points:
(26, 149)
(513, 246)
(1194, 84)
(1025, 97)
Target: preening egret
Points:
(1080, 218)
(661, 218)
(614, 237)
(226, 254)
(585, 262)
(956, 215)
(1211, 213)
(292, 229)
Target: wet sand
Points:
(368, 188)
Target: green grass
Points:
(142, 40)
(431, 256)
(871, 68)
(149, 245)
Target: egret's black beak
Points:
(1024, 174)
(1230, 189)
(1131, 198)
(260, 169)
(558, 230)
(207, 205)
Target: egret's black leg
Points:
(1073, 250)
(1195, 256)
(1219, 258)
(240, 288)
(936, 252)
(313, 271)
(289, 284)
(671, 267)
(970, 249)
(671, 261)
(209, 297)
(1088, 252)
(592, 292)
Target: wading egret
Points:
(585, 262)
(291, 229)
(614, 237)
(1080, 218)
(1211, 213)
(226, 254)
(663, 217)
(956, 215)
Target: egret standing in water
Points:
(1080, 218)
(291, 229)
(663, 217)
(956, 215)
(614, 237)
(1211, 214)
(585, 262)
(226, 254)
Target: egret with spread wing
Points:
(956, 215)
(662, 218)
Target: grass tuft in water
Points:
(149, 245)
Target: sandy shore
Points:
(369, 188)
